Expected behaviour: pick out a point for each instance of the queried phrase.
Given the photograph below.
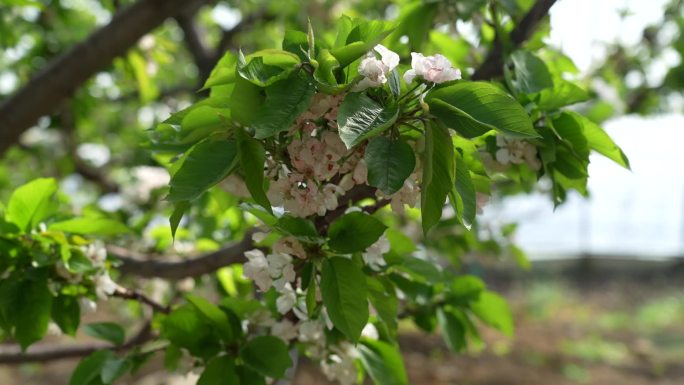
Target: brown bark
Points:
(58, 81)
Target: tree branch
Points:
(122, 292)
(136, 264)
(201, 55)
(493, 64)
(12, 355)
(62, 76)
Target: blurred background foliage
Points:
(97, 145)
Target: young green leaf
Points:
(224, 71)
(389, 163)
(31, 203)
(359, 39)
(108, 331)
(219, 371)
(383, 297)
(252, 160)
(453, 330)
(354, 232)
(473, 108)
(600, 142)
(90, 226)
(186, 328)
(361, 117)
(493, 310)
(266, 355)
(266, 67)
(343, 287)
(438, 174)
(383, 362)
(204, 165)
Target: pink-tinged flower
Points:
(291, 246)
(436, 69)
(374, 70)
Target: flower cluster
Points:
(303, 184)
(515, 151)
(103, 284)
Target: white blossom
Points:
(104, 286)
(285, 330)
(374, 70)
(340, 366)
(436, 69)
(515, 151)
(291, 246)
(256, 269)
(373, 254)
(87, 305)
(370, 331)
(286, 300)
(96, 253)
(310, 331)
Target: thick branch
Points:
(56, 82)
(493, 64)
(138, 265)
(12, 355)
(201, 55)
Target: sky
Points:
(638, 213)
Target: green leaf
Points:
(453, 330)
(296, 42)
(343, 287)
(285, 100)
(360, 39)
(383, 362)
(179, 209)
(360, 118)
(185, 328)
(325, 73)
(493, 310)
(389, 162)
(599, 140)
(473, 108)
(438, 174)
(394, 83)
(530, 74)
(204, 165)
(219, 371)
(214, 315)
(354, 232)
(266, 67)
(114, 368)
(252, 159)
(383, 297)
(66, 313)
(563, 93)
(201, 122)
(300, 228)
(32, 310)
(466, 192)
(266, 355)
(88, 370)
(248, 376)
(90, 226)
(223, 73)
(108, 331)
(31, 203)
